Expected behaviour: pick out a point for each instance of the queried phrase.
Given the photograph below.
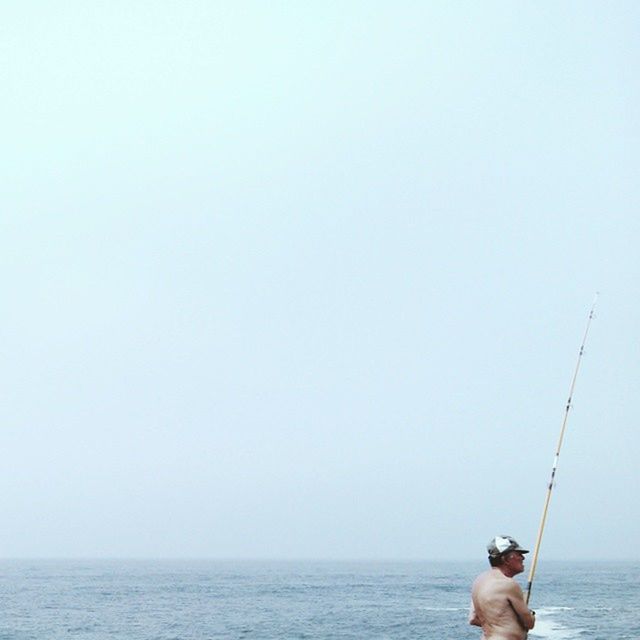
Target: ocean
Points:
(206, 599)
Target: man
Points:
(497, 601)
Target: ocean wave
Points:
(553, 631)
(552, 610)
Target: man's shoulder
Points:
(491, 575)
(483, 577)
(496, 581)
(506, 586)
(488, 580)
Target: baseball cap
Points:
(503, 544)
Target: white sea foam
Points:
(547, 628)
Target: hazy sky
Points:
(308, 279)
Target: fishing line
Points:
(536, 551)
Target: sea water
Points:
(201, 599)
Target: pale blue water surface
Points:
(203, 599)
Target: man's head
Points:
(507, 554)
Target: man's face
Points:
(514, 562)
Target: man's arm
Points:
(525, 616)
(473, 617)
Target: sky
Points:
(309, 280)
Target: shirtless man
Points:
(497, 601)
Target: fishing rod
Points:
(536, 551)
